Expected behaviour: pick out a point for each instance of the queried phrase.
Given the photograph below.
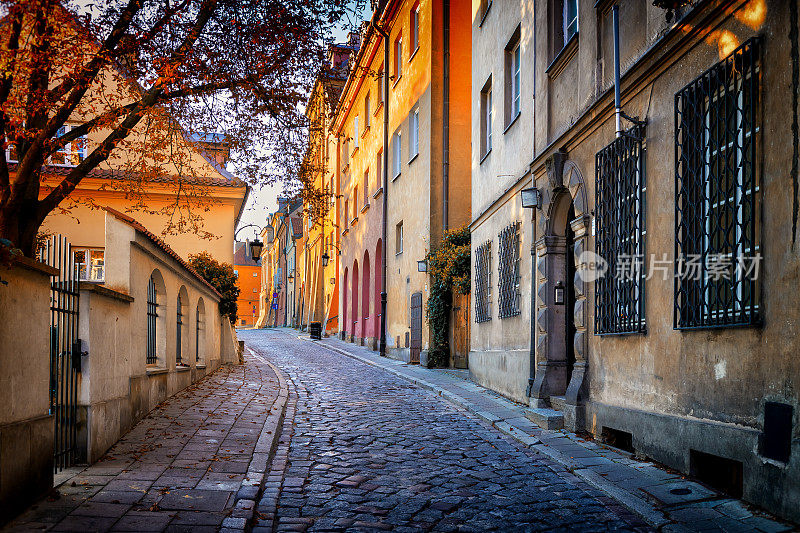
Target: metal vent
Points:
(620, 199)
(483, 282)
(508, 282)
(717, 254)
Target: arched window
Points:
(152, 319)
(178, 331)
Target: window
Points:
(355, 202)
(381, 85)
(483, 282)
(398, 238)
(414, 29)
(179, 331)
(152, 318)
(398, 58)
(367, 112)
(255, 274)
(570, 19)
(508, 282)
(236, 273)
(356, 133)
(484, 9)
(513, 79)
(89, 263)
(72, 153)
(346, 154)
(379, 170)
(346, 213)
(396, 154)
(366, 187)
(255, 289)
(620, 220)
(716, 208)
(413, 140)
(198, 327)
(486, 118)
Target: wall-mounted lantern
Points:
(325, 259)
(558, 294)
(256, 247)
(290, 277)
(422, 266)
(670, 6)
(531, 198)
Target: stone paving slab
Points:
(192, 464)
(641, 486)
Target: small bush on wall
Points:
(221, 277)
(449, 270)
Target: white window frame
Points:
(91, 271)
(516, 80)
(397, 154)
(413, 137)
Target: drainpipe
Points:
(385, 36)
(446, 120)
(617, 96)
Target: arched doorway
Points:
(561, 315)
(365, 314)
(355, 303)
(345, 292)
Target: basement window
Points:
(721, 473)
(618, 439)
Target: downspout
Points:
(532, 355)
(446, 120)
(384, 222)
(617, 95)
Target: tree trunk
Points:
(20, 223)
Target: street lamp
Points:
(325, 259)
(531, 198)
(256, 247)
(290, 277)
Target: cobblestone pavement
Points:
(370, 451)
(182, 468)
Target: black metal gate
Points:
(65, 349)
(416, 326)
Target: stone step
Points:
(544, 417)
(558, 403)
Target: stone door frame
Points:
(564, 187)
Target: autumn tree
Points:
(222, 277)
(179, 68)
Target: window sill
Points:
(345, 232)
(366, 130)
(155, 371)
(414, 53)
(353, 153)
(379, 108)
(399, 253)
(562, 57)
(200, 366)
(182, 368)
(413, 158)
(346, 167)
(378, 192)
(484, 156)
(366, 206)
(396, 81)
(513, 121)
(485, 13)
(396, 176)
(353, 222)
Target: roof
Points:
(161, 244)
(57, 170)
(241, 255)
(297, 227)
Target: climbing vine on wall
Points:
(449, 270)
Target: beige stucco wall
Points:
(500, 348)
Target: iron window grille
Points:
(152, 317)
(620, 192)
(197, 335)
(178, 328)
(483, 282)
(717, 253)
(508, 282)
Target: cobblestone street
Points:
(370, 451)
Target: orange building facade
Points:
(248, 279)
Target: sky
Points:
(263, 200)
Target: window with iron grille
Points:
(178, 331)
(152, 317)
(483, 282)
(508, 278)
(620, 190)
(717, 252)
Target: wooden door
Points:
(459, 341)
(416, 326)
